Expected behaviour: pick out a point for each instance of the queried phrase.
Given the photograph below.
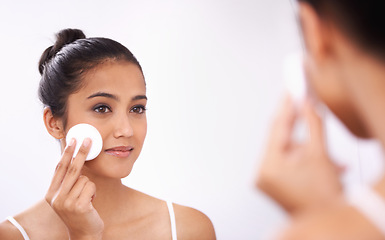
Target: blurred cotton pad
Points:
(83, 131)
(294, 77)
(295, 81)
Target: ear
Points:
(53, 125)
(316, 32)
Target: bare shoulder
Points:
(193, 224)
(9, 232)
(39, 222)
(190, 223)
(343, 222)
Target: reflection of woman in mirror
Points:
(98, 81)
(345, 68)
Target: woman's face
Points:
(112, 99)
(329, 87)
(328, 69)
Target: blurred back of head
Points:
(362, 21)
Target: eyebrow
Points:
(139, 97)
(103, 94)
(109, 95)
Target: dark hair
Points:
(361, 20)
(63, 65)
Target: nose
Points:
(123, 127)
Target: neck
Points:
(110, 193)
(365, 81)
(365, 78)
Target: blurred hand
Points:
(299, 176)
(70, 195)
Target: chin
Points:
(354, 125)
(359, 132)
(345, 111)
(110, 169)
(125, 174)
(120, 171)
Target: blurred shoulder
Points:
(192, 224)
(341, 223)
(9, 231)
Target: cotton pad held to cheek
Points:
(294, 77)
(83, 131)
(295, 81)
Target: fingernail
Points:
(86, 142)
(71, 143)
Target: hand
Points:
(70, 195)
(300, 177)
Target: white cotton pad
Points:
(83, 131)
(295, 81)
(294, 77)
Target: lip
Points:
(120, 151)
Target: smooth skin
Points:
(71, 195)
(298, 194)
(86, 199)
(301, 177)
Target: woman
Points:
(345, 68)
(98, 81)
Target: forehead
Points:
(120, 78)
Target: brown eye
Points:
(102, 109)
(138, 109)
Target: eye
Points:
(139, 109)
(102, 109)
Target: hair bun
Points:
(63, 38)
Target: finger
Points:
(75, 167)
(64, 162)
(314, 123)
(87, 195)
(61, 169)
(340, 169)
(78, 187)
(283, 124)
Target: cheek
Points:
(140, 130)
(324, 85)
(143, 132)
(313, 80)
(76, 116)
(327, 86)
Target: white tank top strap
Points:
(19, 227)
(172, 219)
(369, 203)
